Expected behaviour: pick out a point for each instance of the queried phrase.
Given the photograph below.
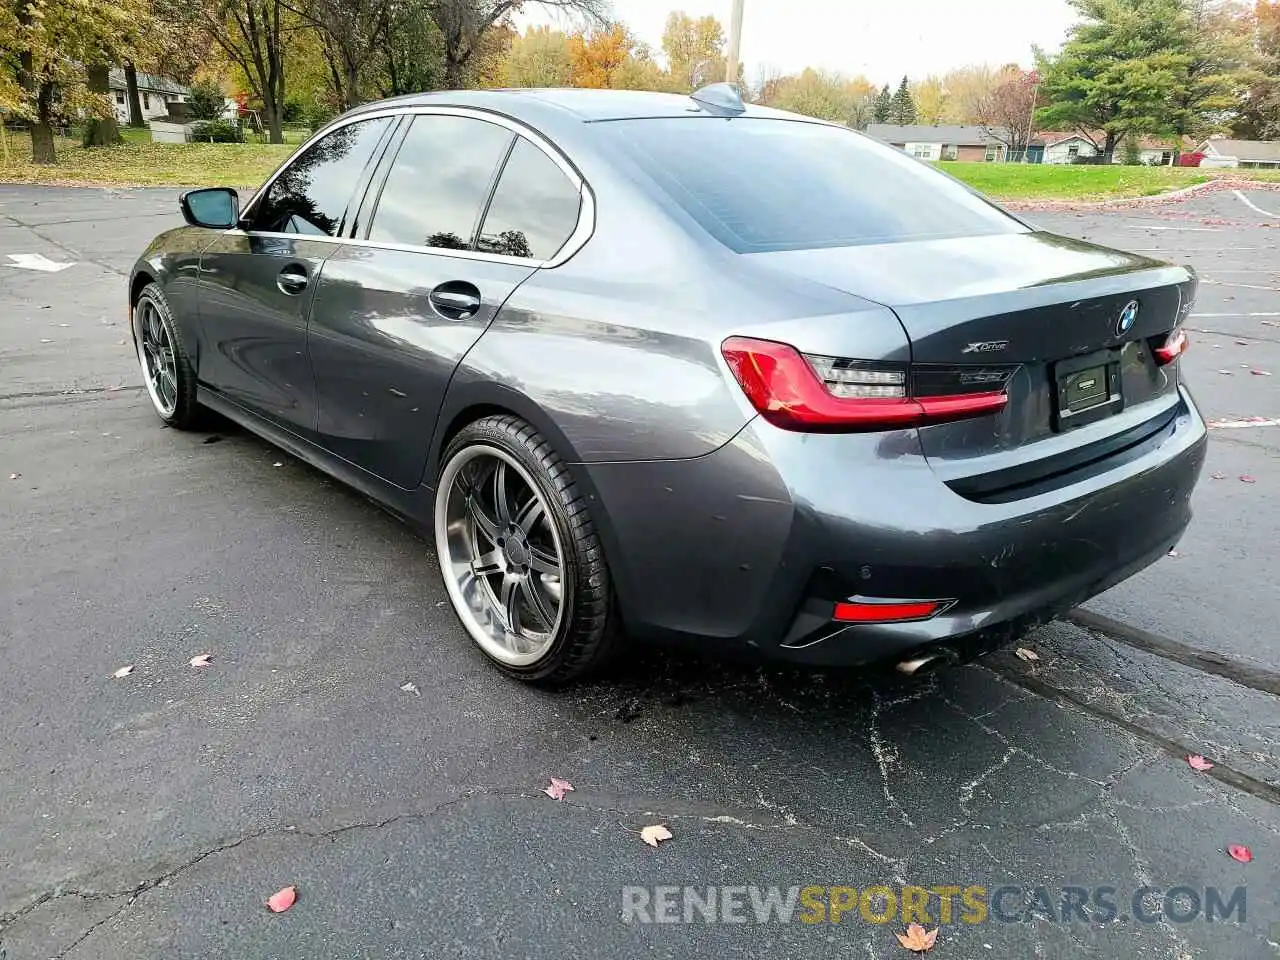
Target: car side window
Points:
(534, 209)
(310, 197)
(439, 181)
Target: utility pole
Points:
(735, 42)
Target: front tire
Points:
(520, 556)
(167, 372)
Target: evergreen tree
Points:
(902, 109)
(883, 105)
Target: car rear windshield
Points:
(761, 185)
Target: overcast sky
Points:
(882, 39)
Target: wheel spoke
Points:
(509, 600)
(486, 565)
(501, 496)
(543, 560)
(483, 522)
(529, 514)
(537, 604)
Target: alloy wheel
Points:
(156, 357)
(501, 554)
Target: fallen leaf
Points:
(1023, 653)
(558, 788)
(1174, 553)
(45, 341)
(655, 833)
(1261, 373)
(1237, 852)
(1197, 762)
(1245, 478)
(213, 439)
(123, 672)
(410, 687)
(14, 476)
(917, 939)
(277, 464)
(1243, 343)
(1219, 476)
(1225, 373)
(203, 660)
(282, 900)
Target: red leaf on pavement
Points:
(558, 788)
(917, 939)
(1245, 478)
(1260, 373)
(1237, 852)
(1197, 762)
(282, 900)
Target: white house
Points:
(154, 93)
(1246, 154)
(1068, 147)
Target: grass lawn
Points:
(1035, 181)
(142, 163)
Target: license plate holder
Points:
(1087, 389)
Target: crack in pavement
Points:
(1220, 771)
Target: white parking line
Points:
(1253, 206)
(1199, 314)
(1242, 286)
(1241, 423)
(1144, 226)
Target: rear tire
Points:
(167, 372)
(519, 554)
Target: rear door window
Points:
(311, 195)
(762, 185)
(534, 209)
(435, 193)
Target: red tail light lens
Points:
(786, 389)
(1173, 348)
(886, 611)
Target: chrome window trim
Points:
(577, 239)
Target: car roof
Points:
(586, 106)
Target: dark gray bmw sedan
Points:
(678, 368)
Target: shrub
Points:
(207, 101)
(217, 131)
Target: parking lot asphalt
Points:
(151, 816)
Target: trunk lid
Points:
(1034, 306)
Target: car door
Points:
(469, 209)
(257, 283)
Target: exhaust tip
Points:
(925, 663)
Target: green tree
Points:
(883, 107)
(412, 51)
(1259, 116)
(540, 58)
(902, 109)
(206, 101)
(1118, 72)
(54, 57)
(253, 34)
(694, 49)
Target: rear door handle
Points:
(292, 280)
(456, 300)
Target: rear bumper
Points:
(749, 548)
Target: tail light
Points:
(866, 610)
(1174, 346)
(802, 392)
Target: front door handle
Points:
(292, 280)
(456, 300)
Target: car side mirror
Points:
(215, 207)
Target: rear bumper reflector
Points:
(887, 611)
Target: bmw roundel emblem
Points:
(1128, 317)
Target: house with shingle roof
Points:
(1246, 154)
